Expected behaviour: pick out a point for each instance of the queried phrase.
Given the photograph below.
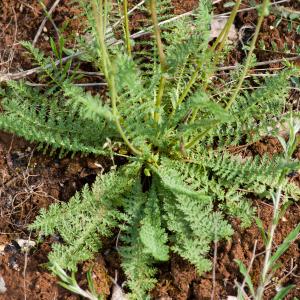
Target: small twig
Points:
(129, 12)
(22, 74)
(246, 297)
(290, 272)
(212, 296)
(25, 268)
(249, 57)
(251, 263)
(12, 53)
(91, 84)
(44, 22)
(148, 30)
(254, 7)
(117, 240)
(262, 63)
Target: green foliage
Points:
(70, 283)
(180, 185)
(44, 118)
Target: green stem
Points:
(268, 253)
(108, 70)
(197, 138)
(249, 57)
(221, 38)
(100, 30)
(159, 96)
(105, 17)
(162, 59)
(116, 117)
(189, 85)
(126, 25)
(248, 61)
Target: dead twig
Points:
(91, 84)
(263, 63)
(15, 76)
(44, 22)
(25, 268)
(212, 296)
(251, 264)
(23, 74)
(19, 75)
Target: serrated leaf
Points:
(154, 239)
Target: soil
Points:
(30, 180)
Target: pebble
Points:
(217, 26)
(3, 288)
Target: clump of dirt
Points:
(20, 21)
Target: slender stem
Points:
(268, 253)
(248, 61)
(162, 60)
(159, 96)
(197, 138)
(189, 85)
(249, 57)
(212, 296)
(162, 57)
(105, 17)
(126, 25)
(98, 16)
(116, 117)
(225, 31)
(108, 70)
(221, 38)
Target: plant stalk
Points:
(116, 117)
(249, 57)
(162, 60)
(108, 70)
(221, 38)
(100, 28)
(247, 65)
(268, 253)
(126, 27)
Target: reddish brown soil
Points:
(20, 21)
(30, 181)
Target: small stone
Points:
(217, 26)
(25, 244)
(3, 288)
(117, 293)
